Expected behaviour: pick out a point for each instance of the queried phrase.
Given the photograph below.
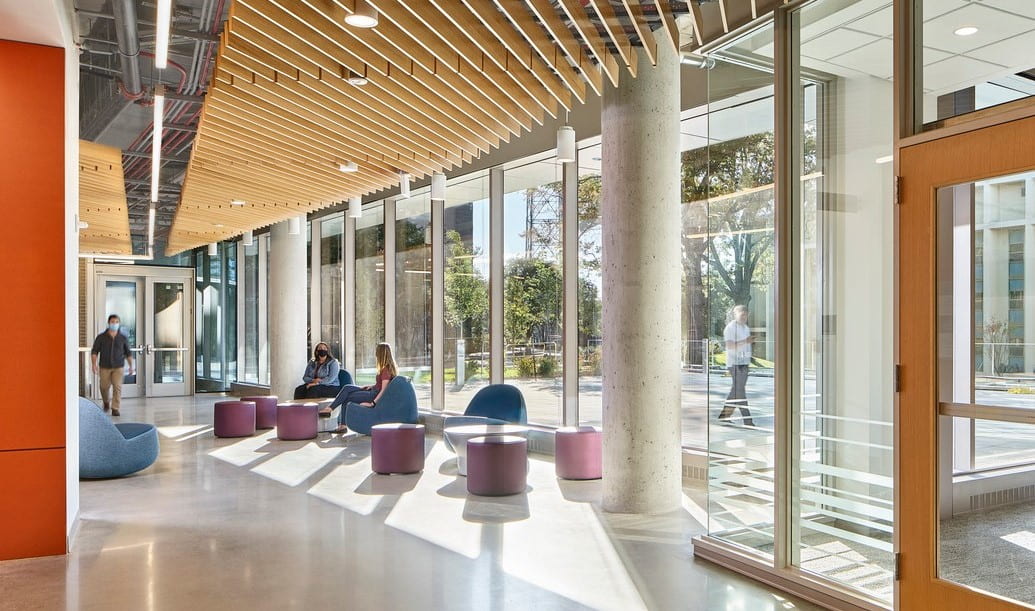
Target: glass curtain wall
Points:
(413, 291)
(249, 371)
(533, 286)
(842, 241)
(332, 287)
(465, 344)
(370, 291)
(216, 318)
(731, 187)
(590, 287)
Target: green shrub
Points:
(1022, 390)
(547, 366)
(526, 366)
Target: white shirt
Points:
(737, 332)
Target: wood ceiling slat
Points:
(668, 23)
(377, 41)
(552, 23)
(591, 38)
(616, 33)
(102, 201)
(303, 25)
(639, 21)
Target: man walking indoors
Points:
(111, 352)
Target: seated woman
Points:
(368, 395)
(321, 375)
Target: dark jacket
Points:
(113, 351)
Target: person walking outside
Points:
(738, 357)
(109, 355)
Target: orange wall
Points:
(32, 300)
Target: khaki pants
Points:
(111, 378)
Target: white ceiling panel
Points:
(934, 55)
(37, 22)
(1017, 52)
(835, 43)
(992, 26)
(934, 8)
(880, 22)
(875, 58)
(957, 72)
(815, 23)
(1025, 8)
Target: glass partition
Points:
(842, 236)
(590, 287)
(413, 292)
(533, 287)
(975, 55)
(370, 291)
(216, 318)
(465, 346)
(739, 259)
(249, 371)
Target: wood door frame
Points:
(996, 150)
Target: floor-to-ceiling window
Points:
(465, 345)
(332, 243)
(413, 291)
(370, 291)
(533, 286)
(249, 370)
(736, 182)
(216, 318)
(590, 287)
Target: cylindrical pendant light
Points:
(365, 15)
(355, 207)
(247, 238)
(566, 144)
(294, 226)
(213, 249)
(438, 186)
(404, 184)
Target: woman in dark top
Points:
(321, 375)
(368, 395)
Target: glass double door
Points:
(966, 416)
(155, 310)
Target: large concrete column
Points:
(287, 309)
(641, 280)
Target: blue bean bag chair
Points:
(398, 404)
(113, 450)
(494, 404)
(344, 377)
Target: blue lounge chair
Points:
(113, 450)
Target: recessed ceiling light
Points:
(237, 202)
(348, 166)
(357, 80)
(219, 225)
(966, 31)
(365, 15)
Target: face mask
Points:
(321, 353)
(113, 326)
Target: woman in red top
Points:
(368, 395)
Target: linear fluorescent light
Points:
(404, 184)
(355, 207)
(156, 140)
(151, 226)
(438, 186)
(348, 166)
(162, 19)
(365, 15)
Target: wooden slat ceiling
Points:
(102, 201)
(448, 81)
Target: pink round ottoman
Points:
(497, 465)
(577, 452)
(265, 411)
(234, 418)
(397, 448)
(296, 421)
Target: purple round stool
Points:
(296, 421)
(234, 419)
(577, 452)
(397, 448)
(265, 411)
(497, 465)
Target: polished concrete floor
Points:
(257, 523)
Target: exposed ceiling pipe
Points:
(129, 46)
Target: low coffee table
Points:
(327, 422)
(458, 436)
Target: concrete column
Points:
(641, 280)
(287, 309)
